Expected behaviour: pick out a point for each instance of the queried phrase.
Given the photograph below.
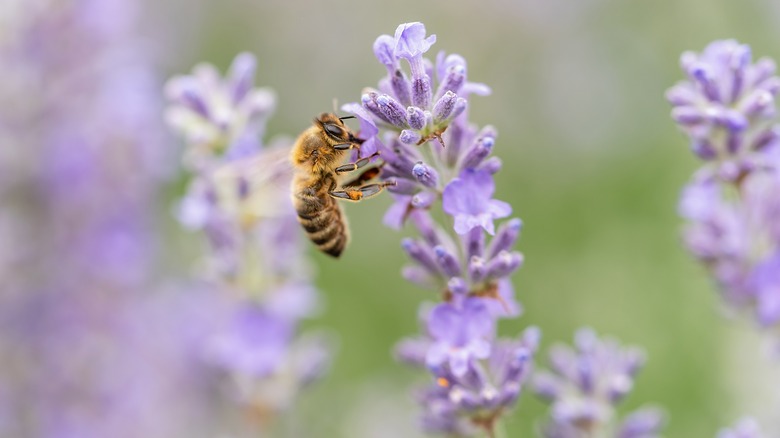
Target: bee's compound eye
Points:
(334, 131)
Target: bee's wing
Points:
(269, 176)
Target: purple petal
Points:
(410, 40)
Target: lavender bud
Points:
(402, 186)
(506, 236)
(188, 93)
(492, 165)
(688, 116)
(421, 92)
(421, 255)
(504, 264)
(447, 262)
(425, 174)
(444, 107)
(704, 149)
(416, 117)
(648, 422)
(758, 103)
(409, 137)
(453, 80)
(369, 102)
(481, 148)
(242, 74)
(383, 50)
(460, 105)
(400, 85)
(477, 269)
(475, 243)
(394, 112)
(418, 276)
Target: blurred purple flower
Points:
(727, 107)
(253, 343)
(219, 116)
(587, 382)
(744, 428)
(734, 233)
(239, 198)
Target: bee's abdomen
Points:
(321, 217)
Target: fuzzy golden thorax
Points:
(321, 148)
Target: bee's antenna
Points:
(346, 117)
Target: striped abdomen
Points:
(320, 214)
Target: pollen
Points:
(443, 382)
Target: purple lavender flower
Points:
(744, 428)
(464, 402)
(409, 104)
(468, 199)
(478, 377)
(460, 334)
(727, 107)
(239, 199)
(586, 383)
(94, 346)
(219, 116)
(738, 239)
(253, 343)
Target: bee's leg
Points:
(347, 146)
(366, 176)
(350, 167)
(360, 193)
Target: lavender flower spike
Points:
(219, 116)
(406, 102)
(726, 107)
(586, 383)
(477, 377)
(238, 197)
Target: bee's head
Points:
(335, 130)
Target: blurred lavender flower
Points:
(586, 383)
(90, 346)
(239, 198)
(219, 116)
(727, 107)
(744, 428)
(478, 377)
(734, 232)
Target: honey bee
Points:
(317, 156)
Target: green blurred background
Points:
(592, 164)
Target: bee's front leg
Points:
(360, 193)
(351, 167)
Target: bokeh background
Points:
(592, 164)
